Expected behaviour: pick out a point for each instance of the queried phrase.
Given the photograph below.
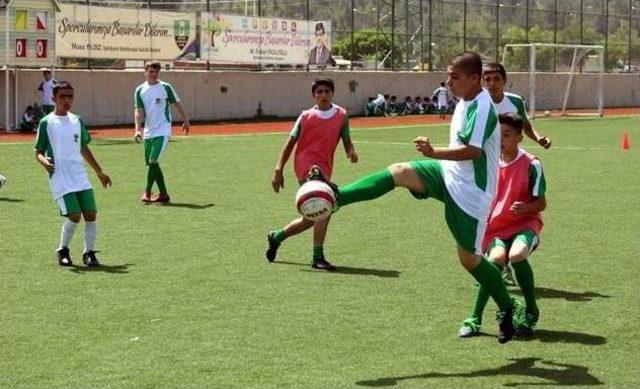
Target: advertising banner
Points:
(245, 39)
(131, 33)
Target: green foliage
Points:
(369, 45)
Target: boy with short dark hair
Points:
(61, 145)
(315, 136)
(514, 224)
(152, 100)
(463, 176)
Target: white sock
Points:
(90, 232)
(68, 227)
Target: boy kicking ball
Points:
(514, 225)
(315, 136)
(61, 145)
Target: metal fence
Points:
(425, 34)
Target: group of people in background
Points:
(440, 102)
(33, 113)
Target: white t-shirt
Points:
(512, 103)
(472, 183)
(443, 96)
(379, 100)
(155, 101)
(47, 92)
(62, 138)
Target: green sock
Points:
(279, 236)
(489, 278)
(524, 275)
(318, 253)
(162, 188)
(366, 188)
(151, 177)
(482, 296)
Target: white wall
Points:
(105, 97)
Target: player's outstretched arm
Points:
(138, 117)
(278, 177)
(533, 135)
(185, 119)
(461, 153)
(88, 156)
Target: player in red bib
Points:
(315, 136)
(514, 224)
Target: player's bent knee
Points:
(74, 217)
(404, 176)
(89, 216)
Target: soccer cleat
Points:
(507, 276)
(162, 198)
(89, 259)
(272, 248)
(146, 197)
(525, 326)
(322, 264)
(505, 324)
(470, 327)
(64, 257)
(315, 174)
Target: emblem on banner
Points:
(181, 32)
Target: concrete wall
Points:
(106, 97)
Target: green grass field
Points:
(185, 298)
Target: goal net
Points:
(552, 70)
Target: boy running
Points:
(495, 78)
(61, 144)
(152, 100)
(464, 180)
(315, 136)
(514, 225)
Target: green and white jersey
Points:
(512, 103)
(472, 183)
(155, 101)
(62, 138)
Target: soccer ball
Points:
(315, 200)
(3, 180)
(547, 113)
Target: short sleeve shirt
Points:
(513, 103)
(155, 101)
(62, 138)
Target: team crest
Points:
(181, 32)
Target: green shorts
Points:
(466, 229)
(442, 110)
(154, 148)
(76, 202)
(528, 237)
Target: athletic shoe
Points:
(162, 198)
(64, 257)
(507, 276)
(505, 324)
(322, 264)
(89, 258)
(272, 248)
(470, 327)
(527, 324)
(146, 197)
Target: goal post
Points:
(564, 59)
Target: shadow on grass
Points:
(550, 336)
(111, 269)
(188, 205)
(10, 200)
(549, 293)
(558, 374)
(359, 271)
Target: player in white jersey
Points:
(441, 94)
(152, 101)
(463, 176)
(61, 145)
(494, 77)
(46, 90)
